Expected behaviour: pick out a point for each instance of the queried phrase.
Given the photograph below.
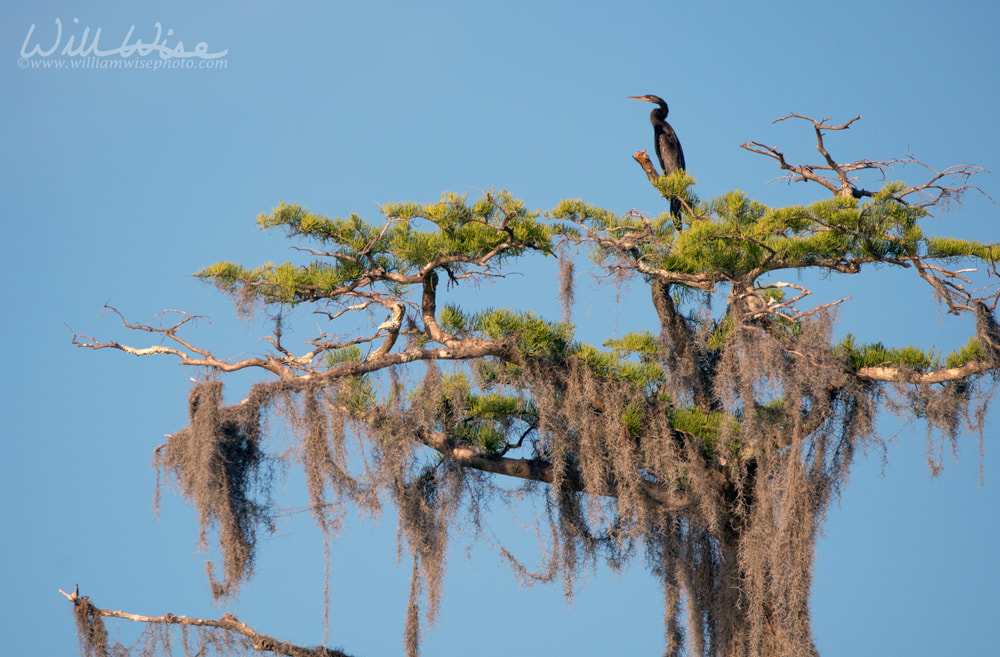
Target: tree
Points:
(712, 443)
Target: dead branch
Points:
(798, 173)
(846, 187)
(774, 307)
(228, 622)
(647, 165)
(934, 192)
(206, 358)
(943, 186)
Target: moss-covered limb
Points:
(227, 624)
(484, 419)
(683, 353)
(543, 471)
(455, 409)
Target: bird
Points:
(668, 146)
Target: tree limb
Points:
(907, 375)
(647, 165)
(839, 181)
(228, 622)
(541, 471)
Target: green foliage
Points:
(356, 393)
(484, 421)
(643, 343)
(491, 418)
(453, 320)
(284, 283)
(484, 436)
(496, 227)
(677, 185)
(704, 428)
(736, 235)
(349, 354)
(633, 418)
(949, 247)
(533, 336)
(578, 211)
(878, 355)
(720, 333)
(724, 237)
(971, 351)
(610, 365)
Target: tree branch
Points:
(270, 364)
(841, 183)
(647, 165)
(540, 470)
(907, 375)
(683, 346)
(228, 622)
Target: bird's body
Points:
(668, 146)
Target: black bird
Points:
(668, 147)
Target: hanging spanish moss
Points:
(220, 467)
(90, 629)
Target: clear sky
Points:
(119, 184)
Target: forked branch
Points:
(838, 177)
(189, 355)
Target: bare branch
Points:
(207, 359)
(228, 622)
(797, 173)
(647, 165)
(935, 191)
(943, 186)
(774, 307)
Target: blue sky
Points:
(121, 183)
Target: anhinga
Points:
(668, 147)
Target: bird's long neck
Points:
(658, 115)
